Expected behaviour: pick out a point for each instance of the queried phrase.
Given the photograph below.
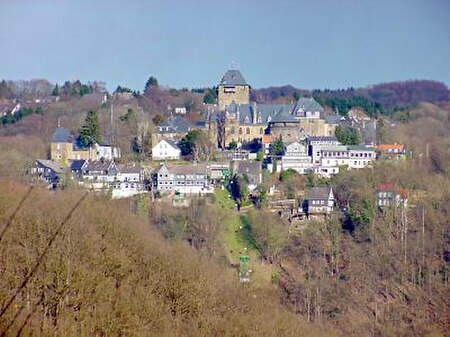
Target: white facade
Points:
(107, 152)
(351, 156)
(296, 158)
(126, 189)
(189, 179)
(166, 150)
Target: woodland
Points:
(77, 264)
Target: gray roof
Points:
(76, 165)
(98, 165)
(130, 169)
(185, 169)
(308, 104)
(322, 139)
(360, 148)
(332, 119)
(248, 167)
(267, 112)
(233, 77)
(174, 124)
(61, 135)
(172, 143)
(284, 116)
(319, 192)
(51, 164)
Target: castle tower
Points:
(233, 88)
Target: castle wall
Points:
(239, 94)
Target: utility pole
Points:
(111, 124)
(423, 235)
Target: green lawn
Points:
(236, 239)
(234, 236)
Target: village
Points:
(235, 144)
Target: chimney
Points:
(255, 113)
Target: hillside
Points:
(108, 273)
(382, 98)
(133, 267)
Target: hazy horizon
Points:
(310, 45)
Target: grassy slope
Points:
(238, 242)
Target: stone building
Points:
(233, 89)
(64, 147)
(242, 121)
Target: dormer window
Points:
(246, 119)
(259, 119)
(269, 119)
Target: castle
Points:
(242, 121)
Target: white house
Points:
(295, 158)
(166, 150)
(353, 156)
(129, 182)
(186, 179)
(106, 151)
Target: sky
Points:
(191, 43)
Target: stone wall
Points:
(240, 95)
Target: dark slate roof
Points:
(98, 165)
(175, 124)
(332, 119)
(265, 112)
(130, 169)
(249, 167)
(172, 143)
(76, 165)
(319, 192)
(61, 135)
(51, 164)
(308, 104)
(233, 77)
(322, 139)
(284, 116)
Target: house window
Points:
(240, 131)
(233, 130)
(247, 131)
(261, 131)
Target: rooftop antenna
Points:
(233, 65)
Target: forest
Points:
(84, 265)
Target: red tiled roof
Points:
(387, 147)
(386, 187)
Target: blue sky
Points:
(309, 44)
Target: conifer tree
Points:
(90, 130)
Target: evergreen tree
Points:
(277, 148)
(347, 135)
(55, 91)
(151, 82)
(90, 131)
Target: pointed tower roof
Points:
(61, 135)
(233, 77)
